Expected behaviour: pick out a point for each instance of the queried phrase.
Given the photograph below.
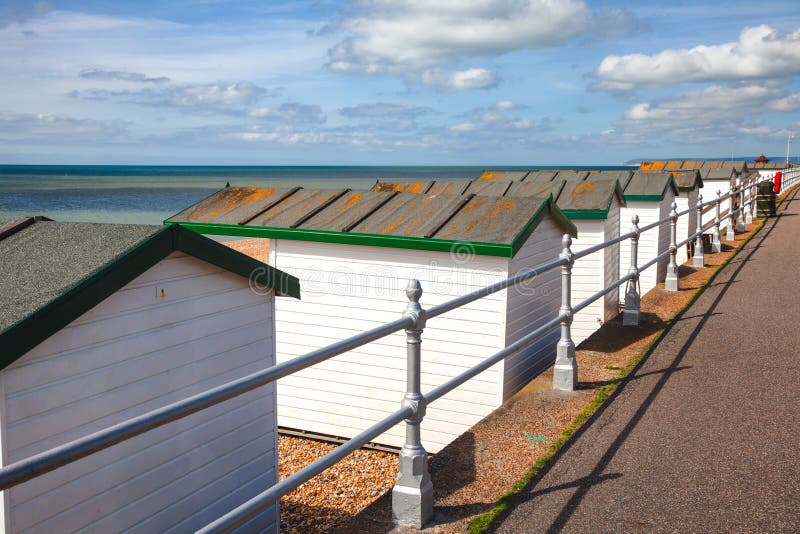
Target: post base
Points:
(698, 260)
(730, 235)
(630, 317)
(716, 245)
(633, 302)
(412, 495)
(565, 371)
(671, 281)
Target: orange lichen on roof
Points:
(582, 188)
(416, 187)
(502, 205)
(673, 165)
(392, 226)
(646, 166)
(657, 165)
(488, 176)
(228, 199)
(257, 194)
(355, 198)
(387, 187)
(470, 205)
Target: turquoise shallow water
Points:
(149, 194)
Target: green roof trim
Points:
(654, 198)
(343, 238)
(586, 214)
(389, 241)
(548, 207)
(36, 327)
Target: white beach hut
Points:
(354, 252)
(720, 179)
(650, 196)
(594, 210)
(594, 207)
(100, 323)
(688, 184)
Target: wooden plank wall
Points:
(134, 352)
(348, 289)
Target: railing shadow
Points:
(612, 336)
(451, 469)
(601, 383)
(596, 476)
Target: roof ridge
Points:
(463, 202)
(269, 205)
(12, 227)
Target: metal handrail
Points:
(49, 460)
(525, 275)
(413, 322)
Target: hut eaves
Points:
(492, 225)
(61, 270)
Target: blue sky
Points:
(396, 82)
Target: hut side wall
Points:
(530, 305)
(611, 262)
(687, 224)
(134, 352)
(587, 278)
(709, 191)
(648, 212)
(663, 238)
(348, 289)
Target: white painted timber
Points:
(595, 272)
(138, 350)
(709, 191)
(687, 224)
(651, 242)
(529, 306)
(348, 289)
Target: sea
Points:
(149, 194)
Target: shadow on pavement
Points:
(596, 476)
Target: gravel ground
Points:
(481, 465)
(337, 494)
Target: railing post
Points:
(740, 227)
(630, 316)
(412, 495)
(750, 212)
(730, 234)
(671, 281)
(716, 238)
(699, 260)
(565, 371)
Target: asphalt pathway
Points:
(705, 435)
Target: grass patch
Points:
(482, 522)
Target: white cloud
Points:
(414, 39)
(385, 110)
(463, 127)
(120, 75)
(714, 113)
(459, 80)
(507, 105)
(15, 126)
(497, 123)
(760, 52)
(219, 97)
(290, 112)
(216, 94)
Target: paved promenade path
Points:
(705, 437)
